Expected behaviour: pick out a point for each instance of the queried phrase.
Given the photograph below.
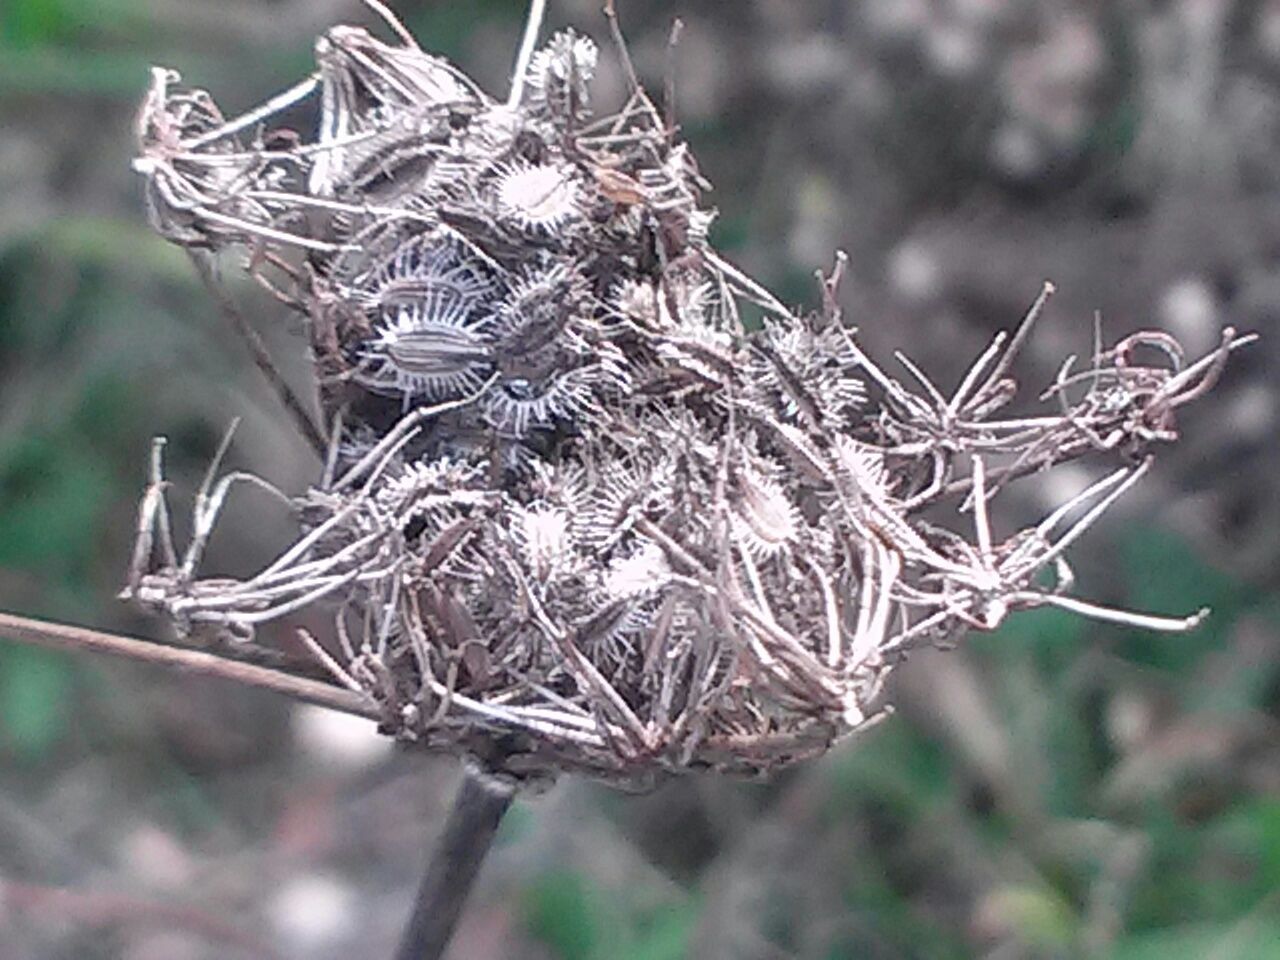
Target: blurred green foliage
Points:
(577, 920)
(1164, 575)
(34, 700)
(29, 23)
(55, 46)
(448, 27)
(59, 478)
(1249, 938)
(53, 497)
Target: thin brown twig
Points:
(262, 359)
(59, 636)
(669, 88)
(1015, 345)
(628, 68)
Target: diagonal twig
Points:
(262, 358)
(60, 636)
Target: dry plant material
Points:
(580, 511)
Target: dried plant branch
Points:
(533, 24)
(58, 636)
(620, 45)
(262, 358)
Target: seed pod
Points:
(418, 356)
(435, 300)
(518, 404)
(532, 316)
(557, 78)
(538, 199)
(764, 517)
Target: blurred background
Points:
(1055, 789)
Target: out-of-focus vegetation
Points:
(1054, 789)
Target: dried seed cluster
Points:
(595, 499)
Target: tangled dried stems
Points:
(595, 500)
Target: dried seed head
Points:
(426, 355)
(624, 491)
(621, 532)
(562, 485)
(407, 484)
(678, 304)
(534, 313)
(433, 302)
(519, 405)
(865, 466)
(433, 271)
(636, 301)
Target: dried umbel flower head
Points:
(576, 514)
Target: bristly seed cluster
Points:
(583, 508)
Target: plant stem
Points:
(60, 636)
(262, 358)
(533, 23)
(477, 810)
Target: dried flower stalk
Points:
(580, 512)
